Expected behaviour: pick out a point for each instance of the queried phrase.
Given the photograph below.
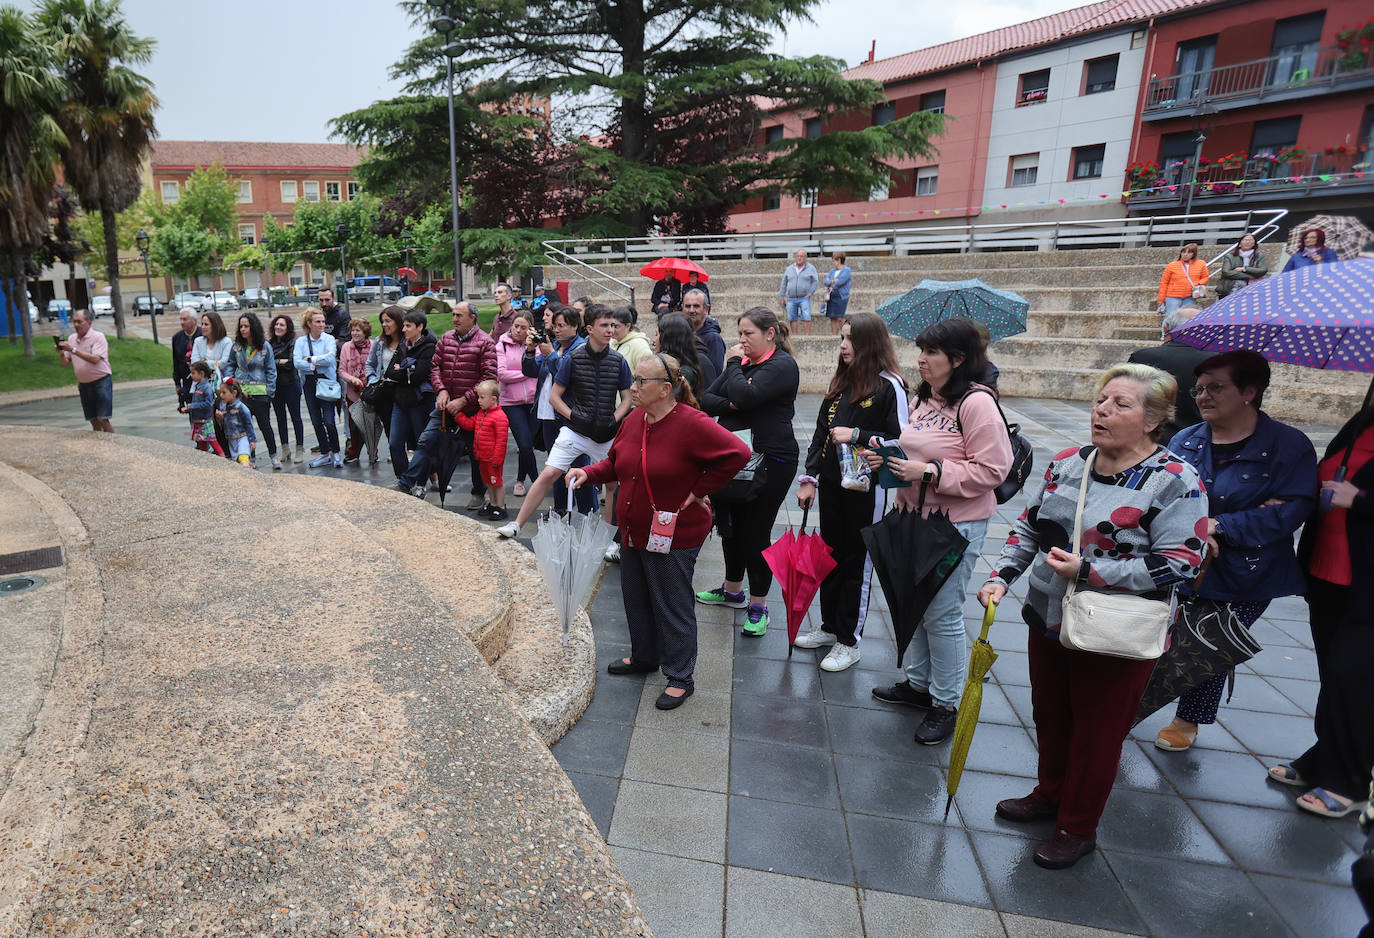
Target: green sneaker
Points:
(756, 623)
(720, 596)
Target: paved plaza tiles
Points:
(783, 800)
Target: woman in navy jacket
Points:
(1261, 479)
(1314, 251)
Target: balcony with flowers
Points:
(1261, 176)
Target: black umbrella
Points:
(913, 555)
(449, 449)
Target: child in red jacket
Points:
(491, 430)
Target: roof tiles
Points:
(998, 42)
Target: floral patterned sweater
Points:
(1143, 530)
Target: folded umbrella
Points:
(800, 562)
(571, 552)
(913, 555)
(449, 449)
(979, 661)
(676, 266)
(365, 416)
(1002, 311)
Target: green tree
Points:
(106, 112)
(672, 88)
(189, 234)
(30, 140)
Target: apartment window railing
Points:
(1316, 69)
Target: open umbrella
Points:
(407, 272)
(913, 555)
(979, 661)
(1002, 311)
(800, 562)
(571, 552)
(1345, 234)
(676, 266)
(1320, 316)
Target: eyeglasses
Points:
(638, 380)
(1212, 389)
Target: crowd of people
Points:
(1182, 487)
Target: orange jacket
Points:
(491, 429)
(1175, 283)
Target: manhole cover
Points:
(20, 584)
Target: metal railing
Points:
(581, 255)
(561, 258)
(1316, 69)
(1320, 170)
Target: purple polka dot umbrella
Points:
(1321, 316)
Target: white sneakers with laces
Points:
(813, 638)
(840, 657)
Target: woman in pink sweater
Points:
(517, 397)
(957, 442)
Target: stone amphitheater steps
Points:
(282, 723)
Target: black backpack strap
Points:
(995, 402)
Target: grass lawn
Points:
(129, 358)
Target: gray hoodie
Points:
(797, 284)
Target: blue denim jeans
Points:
(937, 658)
(799, 309)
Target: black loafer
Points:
(666, 702)
(624, 667)
(937, 727)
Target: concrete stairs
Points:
(1088, 310)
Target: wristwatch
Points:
(928, 476)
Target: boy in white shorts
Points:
(584, 393)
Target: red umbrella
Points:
(676, 266)
(800, 562)
(407, 272)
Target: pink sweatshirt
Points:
(516, 388)
(353, 361)
(972, 463)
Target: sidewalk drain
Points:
(20, 584)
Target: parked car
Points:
(145, 305)
(57, 308)
(219, 301)
(252, 298)
(372, 289)
(102, 306)
(191, 298)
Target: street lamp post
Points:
(267, 270)
(143, 241)
(343, 263)
(446, 25)
(1202, 126)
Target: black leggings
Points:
(260, 406)
(843, 515)
(751, 528)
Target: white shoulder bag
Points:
(1122, 625)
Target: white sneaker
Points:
(840, 657)
(613, 554)
(813, 638)
(510, 529)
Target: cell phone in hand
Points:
(57, 341)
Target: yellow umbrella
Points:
(978, 664)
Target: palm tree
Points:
(107, 112)
(29, 143)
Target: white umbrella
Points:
(571, 551)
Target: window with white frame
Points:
(288, 190)
(809, 197)
(927, 180)
(879, 192)
(1024, 169)
(331, 191)
(245, 191)
(248, 234)
(171, 192)
(312, 192)
(354, 190)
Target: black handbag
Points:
(1022, 453)
(1206, 639)
(747, 482)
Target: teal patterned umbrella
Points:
(1002, 311)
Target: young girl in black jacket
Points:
(866, 401)
(757, 394)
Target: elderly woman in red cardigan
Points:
(668, 457)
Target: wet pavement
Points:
(785, 800)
